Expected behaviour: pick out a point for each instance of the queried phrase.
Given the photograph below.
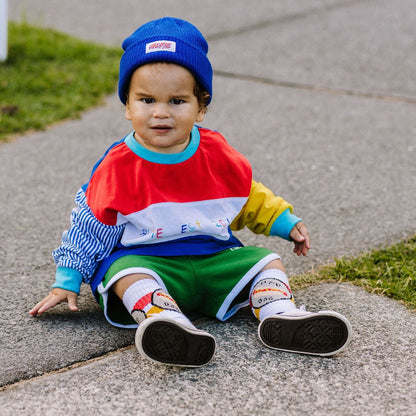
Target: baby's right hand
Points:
(56, 296)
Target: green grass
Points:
(50, 76)
(390, 271)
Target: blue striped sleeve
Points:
(87, 242)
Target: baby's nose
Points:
(160, 111)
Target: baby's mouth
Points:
(161, 128)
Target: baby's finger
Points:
(296, 235)
(304, 232)
(49, 302)
(35, 310)
(72, 302)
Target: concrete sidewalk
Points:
(321, 97)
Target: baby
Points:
(152, 232)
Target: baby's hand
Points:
(300, 236)
(56, 296)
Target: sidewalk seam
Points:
(315, 88)
(64, 369)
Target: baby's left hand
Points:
(300, 236)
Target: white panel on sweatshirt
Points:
(170, 220)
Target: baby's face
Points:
(162, 107)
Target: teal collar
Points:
(164, 158)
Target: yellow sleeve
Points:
(260, 211)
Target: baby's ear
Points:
(201, 114)
(127, 113)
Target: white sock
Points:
(270, 294)
(146, 298)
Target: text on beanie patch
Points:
(161, 45)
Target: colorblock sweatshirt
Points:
(141, 202)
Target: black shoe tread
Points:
(169, 343)
(314, 334)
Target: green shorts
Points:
(215, 286)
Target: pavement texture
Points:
(321, 98)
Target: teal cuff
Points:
(68, 279)
(283, 225)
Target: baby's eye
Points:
(177, 101)
(148, 100)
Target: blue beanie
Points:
(165, 40)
